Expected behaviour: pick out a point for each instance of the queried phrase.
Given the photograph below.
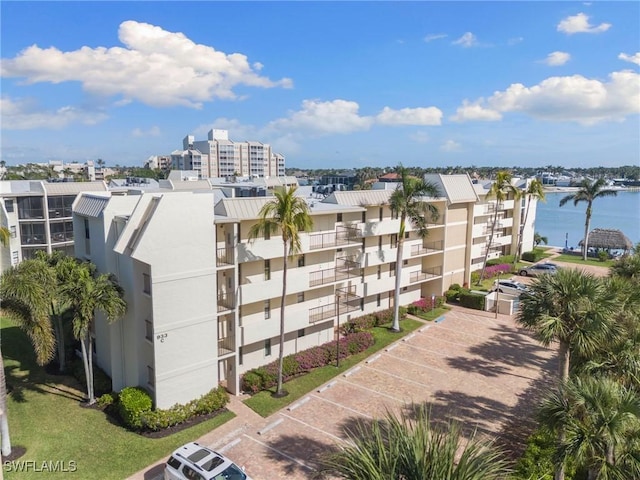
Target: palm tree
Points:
(573, 309)
(501, 189)
(534, 191)
(399, 447)
(588, 192)
(289, 215)
(408, 203)
(600, 419)
(538, 239)
(86, 292)
(5, 438)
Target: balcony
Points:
(226, 345)
(347, 301)
(425, 274)
(426, 248)
(225, 302)
(344, 270)
(343, 235)
(224, 257)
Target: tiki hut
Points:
(608, 239)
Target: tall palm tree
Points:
(573, 309)
(501, 189)
(87, 292)
(288, 215)
(538, 239)
(408, 202)
(601, 419)
(5, 438)
(588, 192)
(399, 447)
(534, 191)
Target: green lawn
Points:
(433, 314)
(45, 417)
(590, 261)
(264, 404)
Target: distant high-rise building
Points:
(220, 157)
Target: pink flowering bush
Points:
(495, 270)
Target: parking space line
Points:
(423, 365)
(374, 391)
(302, 464)
(314, 428)
(400, 378)
(342, 406)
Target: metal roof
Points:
(359, 197)
(73, 188)
(91, 205)
(458, 188)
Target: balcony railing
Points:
(427, 247)
(425, 274)
(226, 345)
(225, 302)
(224, 257)
(342, 236)
(344, 270)
(347, 301)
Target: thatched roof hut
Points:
(610, 239)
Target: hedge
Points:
(135, 409)
(424, 305)
(472, 300)
(532, 256)
(265, 377)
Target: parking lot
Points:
(480, 370)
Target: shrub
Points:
(532, 256)
(603, 256)
(133, 402)
(208, 403)
(475, 277)
(265, 377)
(106, 400)
(452, 295)
(456, 287)
(472, 300)
(500, 260)
(496, 270)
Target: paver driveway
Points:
(471, 366)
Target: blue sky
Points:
(327, 84)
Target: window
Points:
(267, 347)
(8, 204)
(392, 269)
(267, 234)
(86, 229)
(240, 356)
(339, 219)
(378, 300)
(394, 240)
(32, 234)
(14, 257)
(406, 234)
(301, 261)
(362, 304)
(148, 330)
(404, 289)
(146, 283)
(151, 379)
(267, 309)
(300, 297)
(301, 333)
(364, 217)
(379, 243)
(191, 474)
(394, 214)
(12, 230)
(379, 272)
(30, 207)
(405, 262)
(381, 210)
(267, 269)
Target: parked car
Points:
(195, 462)
(509, 287)
(538, 269)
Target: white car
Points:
(509, 287)
(195, 462)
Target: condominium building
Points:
(38, 216)
(220, 157)
(204, 299)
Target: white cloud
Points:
(434, 36)
(151, 132)
(555, 59)
(25, 115)
(572, 99)
(450, 146)
(466, 40)
(515, 41)
(336, 116)
(475, 111)
(410, 116)
(635, 58)
(580, 24)
(156, 67)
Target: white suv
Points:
(195, 462)
(510, 287)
